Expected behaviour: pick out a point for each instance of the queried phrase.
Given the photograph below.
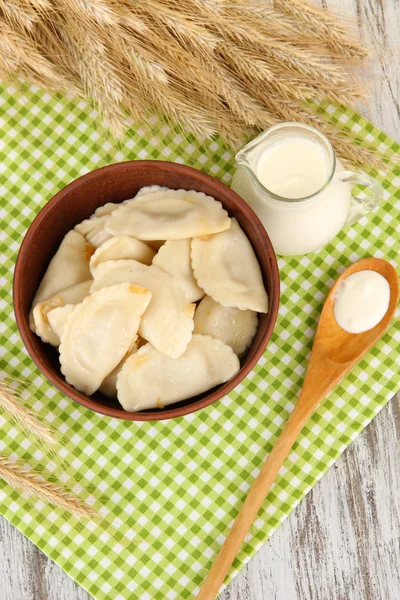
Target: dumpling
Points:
(109, 385)
(106, 209)
(227, 269)
(93, 230)
(168, 320)
(69, 266)
(122, 246)
(58, 318)
(116, 271)
(144, 191)
(232, 326)
(150, 189)
(169, 215)
(149, 379)
(95, 219)
(174, 258)
(98, 334)
(72, 295)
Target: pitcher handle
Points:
(361, 206)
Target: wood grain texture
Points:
(343, 541)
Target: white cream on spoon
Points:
(361, 301)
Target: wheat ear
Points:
(167, 94)
(346, 148)
(96, 70)
(325, 27)
(18, 13)
(11, 403)
(40, 6)
(26, 481)
(227, 65)
(49, 43)
(19, 56)
(187, 30)
(90, 11)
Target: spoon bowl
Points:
(337, 344)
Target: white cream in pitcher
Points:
(290, 177)
(293, 168)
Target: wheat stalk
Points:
(97, 72)
(162, 91)
(233, 66)
(211, 85)
(349, 152)
(26, 481)
(18, 55)
(40, 6)
(306, 63)
(191, 94)
(18, 13)
(48, 41)
(185, 28)
(99, 11)
(133, 23)
(324, 26)
(11, 403)
(174, 94)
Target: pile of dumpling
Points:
(119, 299)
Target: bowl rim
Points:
(119, 413)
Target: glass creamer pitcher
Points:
(298, 225)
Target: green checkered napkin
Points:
(172, 488)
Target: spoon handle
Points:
(321, 377)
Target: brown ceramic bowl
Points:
(76, 202)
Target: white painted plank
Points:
(378, 26)
(27, 574)
(59, 586)
(20, 566)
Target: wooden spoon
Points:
(334, 353)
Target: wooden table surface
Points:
(343, 541)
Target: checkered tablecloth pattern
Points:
(171, 489)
